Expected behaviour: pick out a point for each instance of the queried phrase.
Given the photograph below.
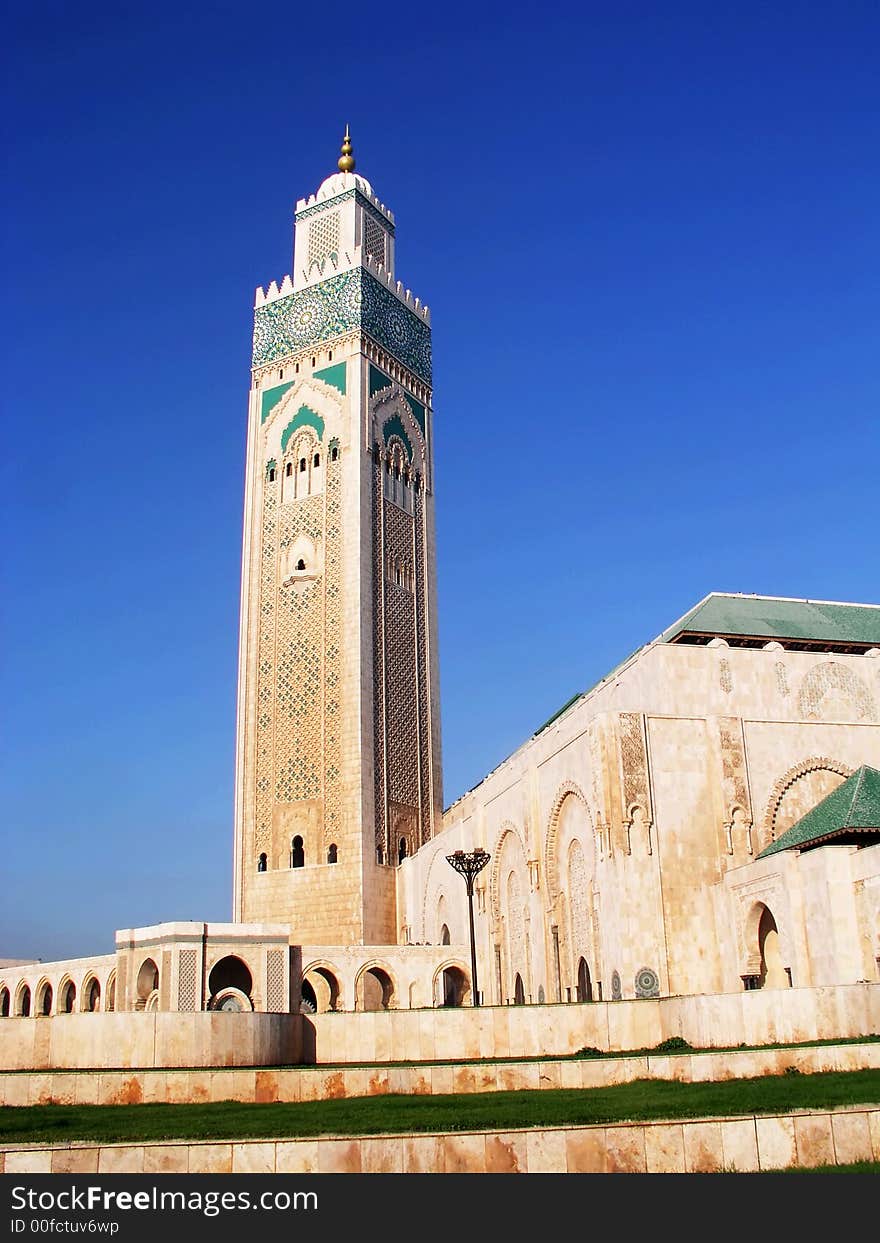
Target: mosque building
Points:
(703, 821)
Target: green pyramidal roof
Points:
(850, 812)
(769, 617)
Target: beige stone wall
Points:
(701, 1146)
(439, 1034)
(752, 1018)
(95, 1041)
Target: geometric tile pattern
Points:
(647, 983)
(401, 709)
(831, 690)
(324, 237)
(380, 796)
(332, 647)
(186, 981)
(352, 300)
(579, 901)
(339, 199)
(421, 621)
(374, 240)
(401, 697)
(275, 1000)
(782, 679)
(266, 666)
(634, 762)
(299, 666)
(298, 714)
(516, 933)
(733, 764)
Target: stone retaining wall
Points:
(753, 1018)
(98, 1041)
(743, 1144)
(158, 1039)
(314, 1083)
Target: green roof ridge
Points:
(780, 617)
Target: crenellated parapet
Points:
(337, 190)
(274, 291)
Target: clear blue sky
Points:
(648, 234)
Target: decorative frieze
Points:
(735, 786)
(323, 312)
(635, 784)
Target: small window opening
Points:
(261, 863)
(314, 360)
(334, 454)
(329, 356)
(281, 374)
(297, 854)
(300, 565)
(302, 465)
(380, 855)
(288, 470)
(316, 460)
(332, 854)
(296, 368)
(272, 475)
(401, 850)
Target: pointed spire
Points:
(346, 160)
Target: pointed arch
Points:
(44, 997)
(324, 405)
(90, 994)
(506, 830)
(325, 980)
(815, 763)
(568, 789)
(382, 978)
(393, 416)
(23, 1000)
(304, 417)
(451, 983)
(66, 997)
(433, 889)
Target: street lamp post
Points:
(468, 866)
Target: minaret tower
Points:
(338, 750)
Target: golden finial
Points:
(346, 160)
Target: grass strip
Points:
(854, 1167)
(643, 1099)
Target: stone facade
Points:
(624, 836)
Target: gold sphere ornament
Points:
(346, 160)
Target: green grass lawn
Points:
(373, 1115)
(855, 1167)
